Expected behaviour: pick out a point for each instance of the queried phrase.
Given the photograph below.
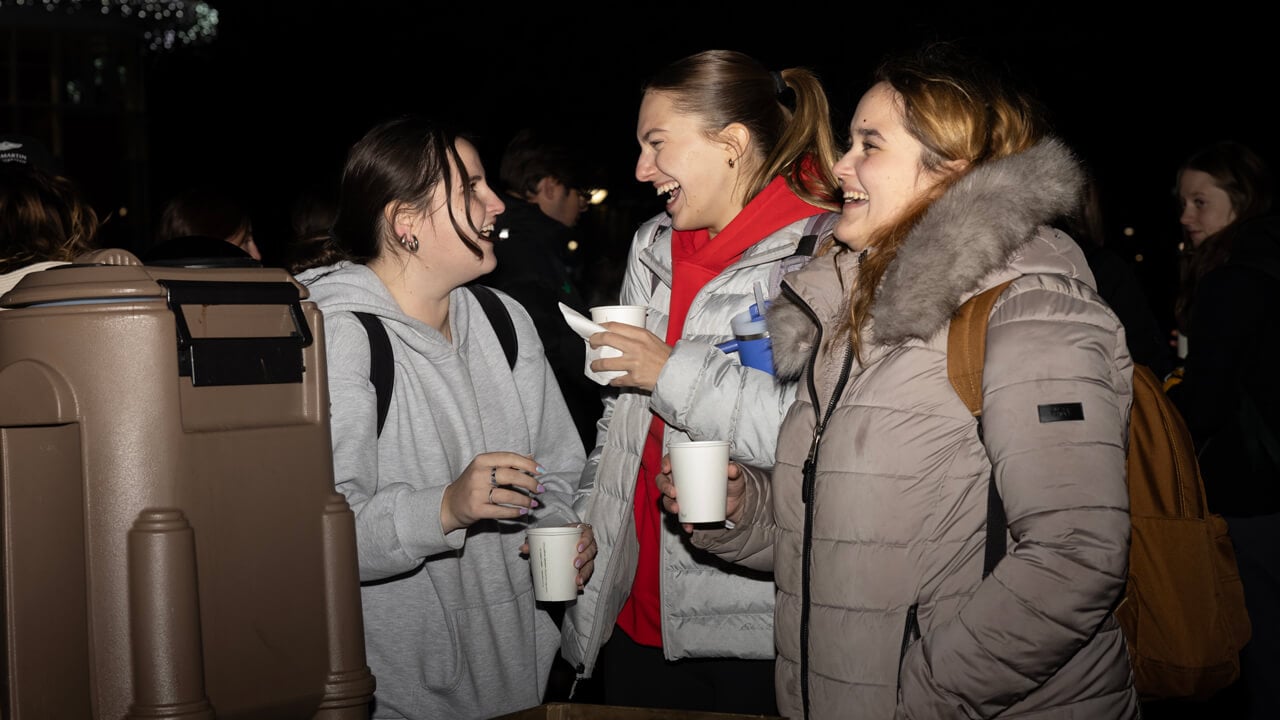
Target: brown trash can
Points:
(173, 544)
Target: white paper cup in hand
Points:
(629, 314)
(700, 469)
(551, 554)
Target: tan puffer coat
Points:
(878, 498)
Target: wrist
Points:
(448, 523)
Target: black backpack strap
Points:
(816, 228)
(382, 369)
(500, 319)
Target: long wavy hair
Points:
(959, 110)
(42, 217)
(788, 116)
(1245, 178)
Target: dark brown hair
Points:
(203, 211)
(399, 163)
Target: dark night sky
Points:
(274, 102)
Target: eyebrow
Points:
(649, 133)
(868, 132)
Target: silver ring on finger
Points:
(491, 495)
(493, 477)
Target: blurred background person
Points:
(742, 156)
(44, 219)
(1229, 393)
(311, 242)
(1221, 184)
(195, 217)
(545, 195)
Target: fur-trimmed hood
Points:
(974, 236)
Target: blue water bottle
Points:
(751, 339)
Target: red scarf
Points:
(695, 260)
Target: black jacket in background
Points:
(1230, 395)
(531, 270)
(1123, 291)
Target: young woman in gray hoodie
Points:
(473, 451)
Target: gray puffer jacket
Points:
(877, 542)
(710, 608)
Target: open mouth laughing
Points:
(671, 189)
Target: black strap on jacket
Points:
(382, 371)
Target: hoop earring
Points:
(409, 242)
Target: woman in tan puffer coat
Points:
(873, 519)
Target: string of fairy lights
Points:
(164, 24)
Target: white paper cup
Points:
(700, 469)
(629, 314)
(551, 554)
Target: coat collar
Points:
(966, 240)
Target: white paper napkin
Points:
(585, 328)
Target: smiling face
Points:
(442, 247)
(1206, 207)
(680, 161)
(881, 174)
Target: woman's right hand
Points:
(735, 489)
(643, 355)
(494, 486)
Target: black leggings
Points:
(635, 675)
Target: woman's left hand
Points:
(643, 355)
(585, 560)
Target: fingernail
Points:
(581, 547)
(533, 503)
(541, 488)
(524, 511)
(577, 563)
(541, 469)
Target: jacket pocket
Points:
(910, 634)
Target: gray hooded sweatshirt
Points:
(451, 627)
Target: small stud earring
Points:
(410, 242)
(732, 162)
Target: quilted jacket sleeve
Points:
(1057, 393)
(750, 541)
(711, 397)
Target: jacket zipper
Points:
(910, 634)
(808, 481)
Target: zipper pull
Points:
(809, 469)
(573, 688)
